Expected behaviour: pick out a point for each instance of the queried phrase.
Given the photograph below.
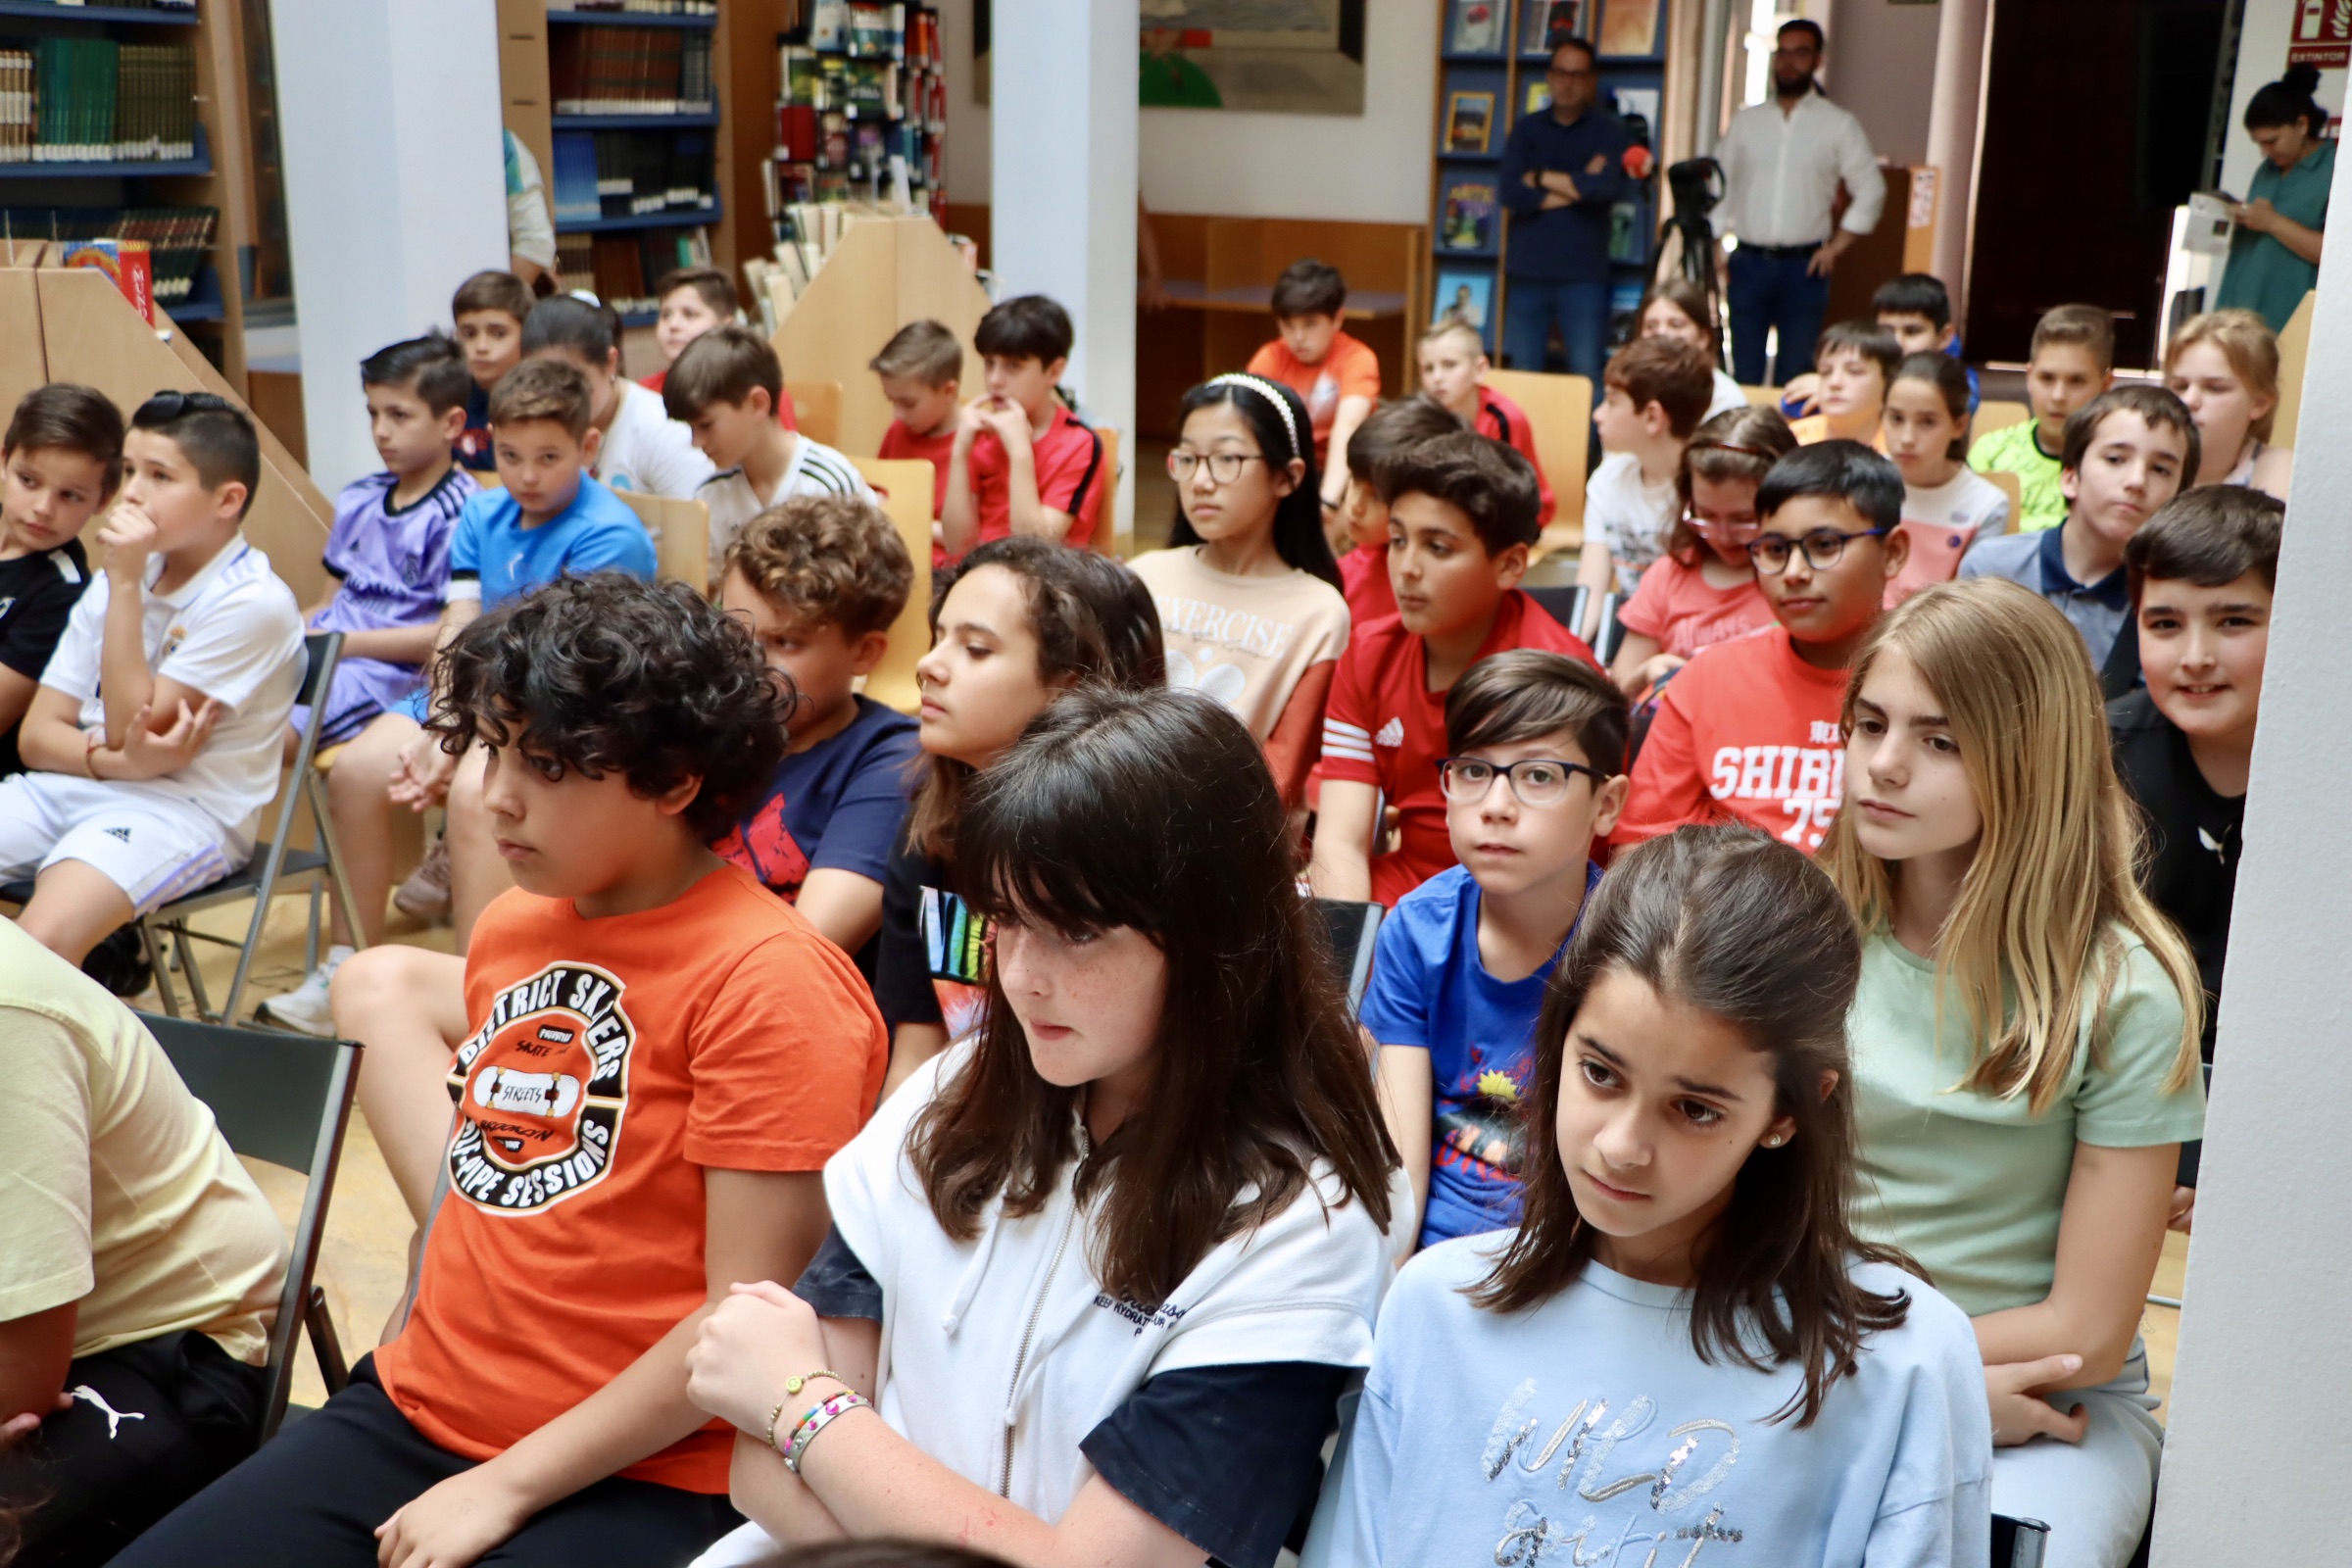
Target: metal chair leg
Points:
(334, 862)
(161, 965)
(194, 974)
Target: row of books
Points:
(873, 30)
(647, 8)
(622, 269)
(863, 89)
(93, 99)
(180, 239)
(619, 174)
(630, 71)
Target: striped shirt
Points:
(815, 470)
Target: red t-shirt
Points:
(1071, 477)
(901, 444)
(1365, 579)
(655, 381)
(1501, 419)
(1675, 604)
(613, 1063)
(1385, 727)
(1351, 369)
(1746, 732)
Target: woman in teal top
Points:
(2024, 1036)
(2275, 256)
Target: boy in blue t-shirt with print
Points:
(820, 580)
(1534, 773)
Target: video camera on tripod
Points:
(1696, 187)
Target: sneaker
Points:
(424, 895)
(304, 1008)
(120, 963)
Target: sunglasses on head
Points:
(165, 407)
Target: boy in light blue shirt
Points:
(1533, 774)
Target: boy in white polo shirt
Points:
(640, 448)
(724, 387)
(152, 743)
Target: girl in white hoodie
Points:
(1103, 1271)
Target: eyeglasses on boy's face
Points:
(1535, 781)
(1223, 466)
(1822, 547)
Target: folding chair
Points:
(286, 1098)
(1567, 606)
(2017, 1543)
(273, 864)
(1351, 928)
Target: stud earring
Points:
(1774, 1141)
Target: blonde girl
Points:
(2025, 1036)
(2224, 365)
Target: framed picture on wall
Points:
(1476, 28)
(1467, 297)
(1469, 121)
(1538, 96)
(1545, 24)
(1629, 27)
(1466, 205)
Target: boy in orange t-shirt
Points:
(921, 368)
(1748, 730)
(1337, 376)
(664, 1055)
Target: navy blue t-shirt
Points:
(1429, 989)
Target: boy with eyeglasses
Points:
(1748, 730)
(1533, 775)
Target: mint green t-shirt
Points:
(1970, 1184)
(2016, 448)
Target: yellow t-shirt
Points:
(117, 1190)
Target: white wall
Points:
(1882, 68)
(2258, 1439)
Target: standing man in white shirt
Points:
(1782, 162)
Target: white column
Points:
(1955, 116)
(388, 123)
(2260, 1429)
(1061, 221)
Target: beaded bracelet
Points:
(796, 1448)
(792, 1387)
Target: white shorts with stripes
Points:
(152, 847)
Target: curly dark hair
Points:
(607, 672)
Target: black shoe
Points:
(120, 963)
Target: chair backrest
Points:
(816, 410)
(319, 651)
(1106, 538)
(1351, 928)
(2017, 1543)
(681, 533)
(284, 1099)
(1559, 411)
(906, 488)
(2014, 487)
(1997, 414)
(1761, 396)
(1563, 604)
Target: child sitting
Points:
(1454, 372)
(1677, 308)
(1336, 376)
(388, 551)
(1387, 431)
(59, 463)
(155, 736)
(1166, 1104)
(1703, 590)
(689, 302)
(141, 1273)
(1536, 746)
(1748, 731)
(1688, 1287)
(1656, 391)
(2127, 452)
(1461, 520)
(620, 1152)
(639, 448)
(723, 391)
(488, 310)
(1918, 310)
(1250, 606)
(1022, 464)
(921, 368)
(818, 580)
(2072, 361)
(1857, 361)
(1946, 505)
(2224, 365)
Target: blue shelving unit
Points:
(681, 219)
(138, 15)
(707, 120)
(119, 169)
(203, 303)
(631, 19)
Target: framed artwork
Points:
(1469, 121)
(1281, 57)
(1465, 297)
(1538, 96)
(1466, 208)
(1628, 28)
(1475, 27)
(1545, 24)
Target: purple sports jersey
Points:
(392, 569)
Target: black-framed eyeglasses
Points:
(1223, 466)
(1822, 548)
(165, 407)
(1535, 781)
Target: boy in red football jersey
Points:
(1022, 464)
(1748, 730)
(921, 368)
(1453, 360)
(1388, 431)
(1461, 520)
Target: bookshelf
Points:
(204, 200)
(860, 107)
(1492, 59)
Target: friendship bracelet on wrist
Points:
(796, 1448)
(792, 1387)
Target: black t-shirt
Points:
(931, 958)
(1229, 1457)
(37, 594)
(2194, 835)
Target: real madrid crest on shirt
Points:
(540, 1090)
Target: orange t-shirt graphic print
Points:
(540, 1091)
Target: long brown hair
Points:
(1094, 620)
(1734, 445)
(1154, 810)
(2038, 933)
(1745, 928)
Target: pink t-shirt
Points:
(1676, 605)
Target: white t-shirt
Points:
(815, 470)
(1728, 396)
(1634, 516)
(647, 451)
(1967, 500)
(232, 632)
